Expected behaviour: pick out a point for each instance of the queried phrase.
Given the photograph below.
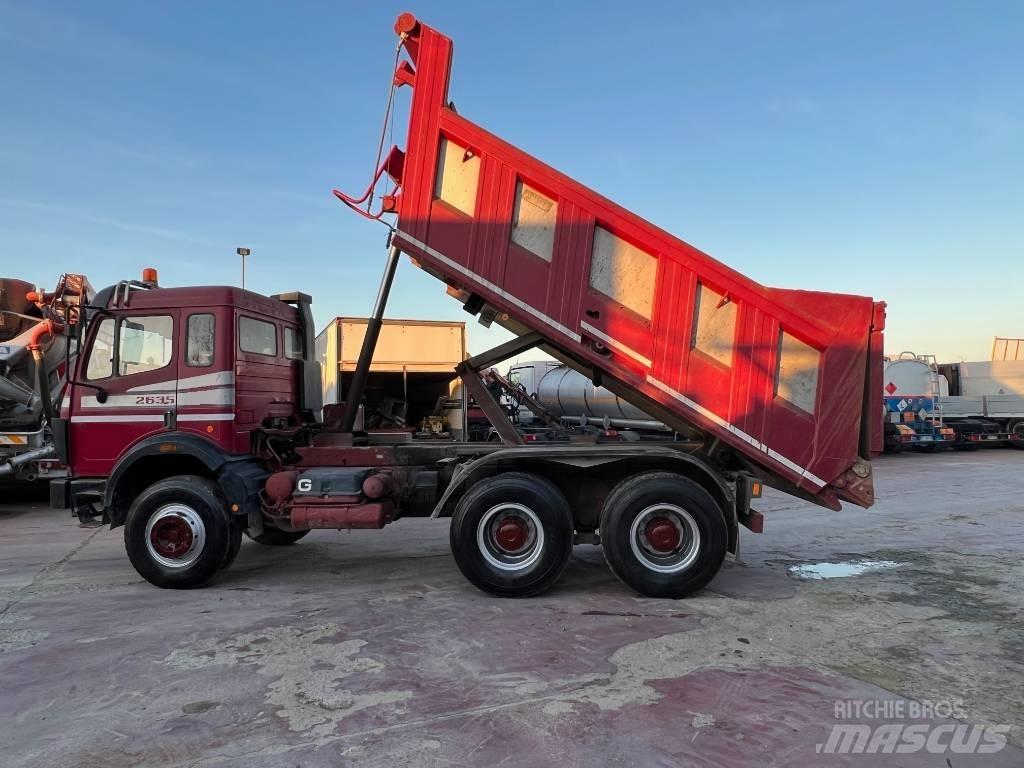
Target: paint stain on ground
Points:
(307, 667)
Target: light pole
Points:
(243, 252)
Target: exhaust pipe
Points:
(10, 467)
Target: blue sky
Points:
(861, 147)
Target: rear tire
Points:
(1016, 430)
(511, 535)
(275, 537)
(663, 534)
(178, 532)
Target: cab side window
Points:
(200, 347)
(292, 343)
(257, 336)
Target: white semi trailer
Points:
(985, 401)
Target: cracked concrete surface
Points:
(368, 648)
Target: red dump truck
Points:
(191, 415)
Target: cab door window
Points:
(144, 344)
(101, 357)
(138, 345)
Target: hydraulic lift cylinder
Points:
(373, 326)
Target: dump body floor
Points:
(370, 649)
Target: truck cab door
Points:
(129, 370)
(206, 376)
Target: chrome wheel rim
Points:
(665, 538)
(175, 536)
(510, 537)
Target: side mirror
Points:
(101, 393)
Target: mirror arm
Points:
(101, 393)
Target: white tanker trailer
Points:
(573, 399)
(959, 405)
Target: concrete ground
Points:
(368, 648)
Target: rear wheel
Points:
(178, 532)
(275, 537)
(511, 535)
(1016, 431)
(663, 534)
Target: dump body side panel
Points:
(780, 375)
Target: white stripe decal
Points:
(755, 443)
(491, 286)
(206, 417)
(221, 396)
(116, 419)
(218, 396)
(218, 379)
(145, 417)
(615, 343)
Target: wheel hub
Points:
(175, 536)
(171, 537)
(665, 538)
(512, 534)
(662, 535)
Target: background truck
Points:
(984, 401)
(192, 411)
(411, 386)
(35, 354)
(913, 389)
(931, 405)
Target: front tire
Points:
(663, 534)
(178, 532)
(511, 534)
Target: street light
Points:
(243, 252)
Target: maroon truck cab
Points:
(185, 374)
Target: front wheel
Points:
(663, 534)
(511, 534)
(178, 532)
